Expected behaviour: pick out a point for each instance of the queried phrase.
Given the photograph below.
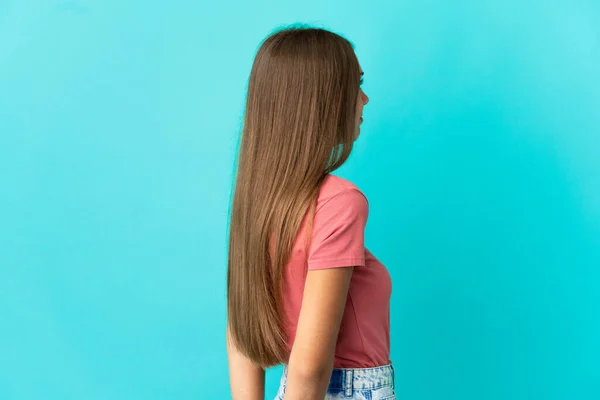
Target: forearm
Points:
(247, 386)
(246, 380)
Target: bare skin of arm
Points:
(246, 380)
(311, 359)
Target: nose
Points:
(365, 98)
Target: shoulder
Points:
(340, 193)
(339, 226)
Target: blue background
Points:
(480, 155)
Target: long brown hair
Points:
(299, 125)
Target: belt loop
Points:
(393, 377)
(349, 383)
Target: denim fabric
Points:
(355, 384)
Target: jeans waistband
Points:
(349, 379)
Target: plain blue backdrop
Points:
(480, 155)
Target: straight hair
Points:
(299, 126)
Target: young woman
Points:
(302, 288)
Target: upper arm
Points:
(323, 302)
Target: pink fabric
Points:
(338, 241)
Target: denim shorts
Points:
(355, 384)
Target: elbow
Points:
(310, 374)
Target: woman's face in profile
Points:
(360, 103)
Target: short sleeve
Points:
(338, 232)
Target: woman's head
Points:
(361, 101)
(303, 98)
(303, 113)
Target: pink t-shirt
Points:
(338, 241)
